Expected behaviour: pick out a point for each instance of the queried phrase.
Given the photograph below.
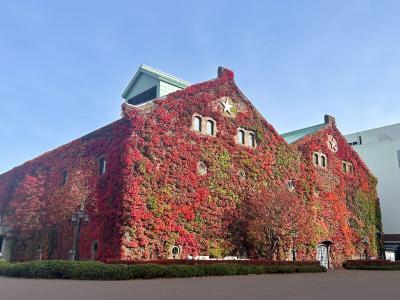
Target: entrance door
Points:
(322, 255)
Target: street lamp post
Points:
(294, 235)
(77, 219)
(365, 241)
(39, 253)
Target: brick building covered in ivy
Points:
(193, 170)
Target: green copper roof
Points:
(296, 135)
(156, 74)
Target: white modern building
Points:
(380, 150)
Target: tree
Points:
(28, 206)
(270, 219)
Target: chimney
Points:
(225, 73)
(329, 120)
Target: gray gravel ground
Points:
(338, 285)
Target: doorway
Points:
(94, 250)
(323, 255)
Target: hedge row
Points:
(371, 265)
(93, 270)
(262, 262)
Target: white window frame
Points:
(195, 119)
(210, 130)
(241, 136)
(246, 138)
(204, 121)
(349, 167)
(321, 157)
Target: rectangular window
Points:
(102, 166)
(64, 177)
(1, 243)
(359, 140)
(398, 157)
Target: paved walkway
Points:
(337, 285)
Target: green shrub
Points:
(93, 270)
(372, 265)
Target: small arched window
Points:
(323, 161)
(201, 168)
(241, 136)
(102, 165)
(252, 140)
(64, 178)
(197, 123)
(242, 175)
(210, 127)
(316, 159)
(344, 167)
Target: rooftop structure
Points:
(149, 83)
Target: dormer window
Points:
(143, 97)
(197, 123)
(149, 83)
(210, 127)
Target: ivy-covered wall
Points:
(345, 203)
(168, 185)
(37, 207)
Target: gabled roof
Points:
(143, 69)
(296, 135)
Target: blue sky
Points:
(64, 65)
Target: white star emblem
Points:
(227, 106)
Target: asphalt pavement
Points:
(335, 284)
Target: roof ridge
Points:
(295, 135)
(309, 127)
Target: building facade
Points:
(196, 172)
(380, 149)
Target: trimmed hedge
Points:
(262, 262)
(378, 264)
(93, 270)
